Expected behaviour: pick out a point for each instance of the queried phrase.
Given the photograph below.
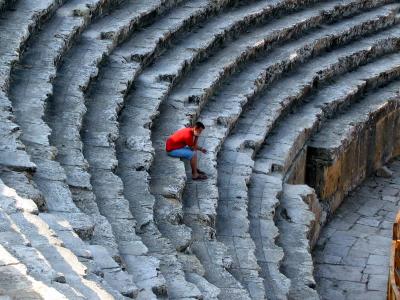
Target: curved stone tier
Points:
(93, 208)
(16, 27)
(362, 140)
(68, 272)
(173, 115)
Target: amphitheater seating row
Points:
(91, 89)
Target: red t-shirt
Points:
(181, 138)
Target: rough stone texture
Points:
(249, 132)
(39, 62)
(15, 282)
(65, 117)
(85, 148)
(29, 238)
(289, 139)
(115, 79)
(16, 27)
(351, 147)
(297, 226)
(172, 189)
(352, 254)
(171, 110)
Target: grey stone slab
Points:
(378, 260)
(297, 263)
(339, 272)
(377, 283)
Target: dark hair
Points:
(199, 125)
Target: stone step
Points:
(114, 80)
(37, 266)
(29, 237)
(102, 35)
(150, 91)
(296, 220)
(286, 142)
(296, 128)
(197, 88)
(264, 192)
(16, 282)
(138, 258)
(249, 133)
(362, 140)
(72, 17)
(210, 117)
(95, 257)
(173, 117)
(184, 239)
(22, 182)
(136, 191)
(66, 107)
(148, 86)
(33, 75)
(17, 25)
(361, 23)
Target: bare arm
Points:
(196, 147)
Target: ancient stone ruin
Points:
(301, 104)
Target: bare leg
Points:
(193, 165)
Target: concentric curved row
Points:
(97, 90)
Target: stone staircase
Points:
(93, 208)
(344, 143)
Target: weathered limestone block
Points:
(298, 220)
(354, 145)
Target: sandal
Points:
(200, 177)
(201, 172)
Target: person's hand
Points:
(204, 150)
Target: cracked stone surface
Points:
(90, 89)
(352, 254)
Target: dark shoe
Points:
(200, 177)
(201, 172)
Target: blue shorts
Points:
(184, 152)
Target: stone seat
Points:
(174, 113)
(27, 235)
(298, 224)
(287, 141)
(213, 143)
(370, 75)
(249, 133)
(39, 64)
(69, 21)
(150, 87)
(16, 26)
(326, 101)
(98, 39)
(205, 79)
(131, 116)
(98, 136)
(16, 282)
(175, 117)
(361, 139)
(150, 91)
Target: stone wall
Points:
(339, 162)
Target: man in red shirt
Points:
(183, 144)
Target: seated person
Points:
(183, 144)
